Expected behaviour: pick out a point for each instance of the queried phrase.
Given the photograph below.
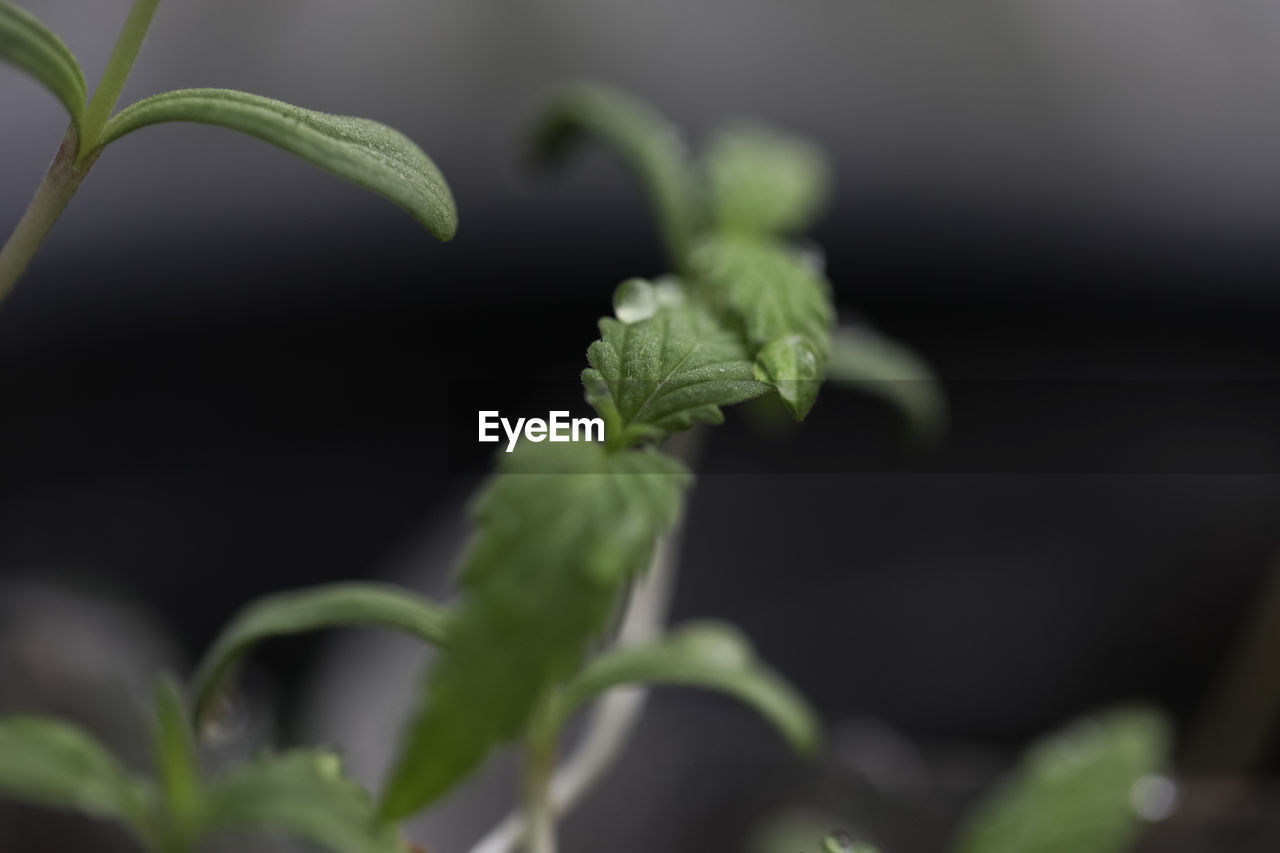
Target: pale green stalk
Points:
(59, 185)
(118, 67)
(76, 155)
(540, 764)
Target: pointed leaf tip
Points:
(368, 154)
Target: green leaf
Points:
(57, 765)
(793, 366)
(709, 655)
(560, 532)
(364, 152)
(1076, 791)
(177, 766)
(301, 794)
(863, 359)
(664, 366)
(33, 47)
(783, 305)
(314, 609)
(764, 181)
(648, 145)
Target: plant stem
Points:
(540, 763)
(613, 719)
(60, 184)
(118, 68)
(77, 153)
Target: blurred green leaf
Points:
(560, 532)
(33, 47)
(863, 359)
(57, 765)
(648, 145)
(764, 181)
(709, 655)
(300, 794)
(364, 152)
(177, 766)
(1075, 791)
(665, 365)
(314, 609)
(783, 304)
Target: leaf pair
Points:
(724, 220)
(364, 152)
(708, 655)
(302, 794)
(753, 180)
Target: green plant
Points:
(1087, 788)
(564, 586)
(362, 151)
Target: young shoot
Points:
(364, 152)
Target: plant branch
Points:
(108, 92)
(613, 718)
(59, 185)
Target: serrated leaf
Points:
(763, 181)
(648, 145)
(1075, 791)
(783, 304)
(864, 359)
(314, 609)
(666, 371)
(28, 44)
(57, 765)
(364, 152)
(560, 531)
(709, 655)
(300, 794)
(793, 366)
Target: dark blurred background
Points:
(224, 373)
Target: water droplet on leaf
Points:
(635, 300)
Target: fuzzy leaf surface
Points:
(764, 181)
(560, 531)
(1075, 790)
(667, 371)
(648, 145)
(782, 303)
(315, 609)
(27, 43)
(301, 794)
(364, 152)
(708, 655)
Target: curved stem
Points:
(60, 184)
(613, 719)
(126, 50)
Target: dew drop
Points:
(1154, 797)
(635, 300)
(227, 718)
